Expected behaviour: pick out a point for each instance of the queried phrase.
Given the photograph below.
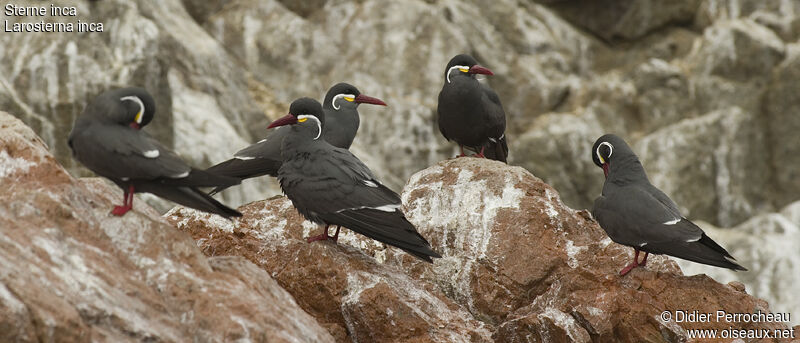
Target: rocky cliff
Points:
(705, 90)
(71, 272)
(518, 266)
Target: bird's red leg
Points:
(127, 202)
(131, 191)
(634, 264)
(324, 236)
(120, 210)
(461, 148)
(480, 154)
(644, 261)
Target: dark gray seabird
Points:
(635, 213)
(330, 186)
(470, 112)
(107, 139)
(264, 158)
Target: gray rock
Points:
(714, 78)
(397, 51)
(739, 50)
(610, 19)
(204, 106)
(782, 118)
(221, 68)
(200, 10)
(662, 94)
(714, 166)
(73, 272)
(555, 149)
(779, 15)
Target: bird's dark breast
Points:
(615, 223)
(91, 156)
(307, 213)
(341, 128)
(462, 116)
(101, 169)
(290, 177)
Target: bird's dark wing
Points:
(663, 199)
(439, 117)
(491, 95)
(333, 186)
(199, 178)
(702, 249)
(496, 147)
(496, 120)
(635, 217)
(327, 181)
(244, 169)
(632, 216)
(261, 158)
(267, 148)
(187, 196)
(388, 227)
(121, 152)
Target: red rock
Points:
(517, 262)
(540, 271)
(351, 294)
(518, 266)
(70, 271)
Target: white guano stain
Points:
(477, 209)
(11, 165)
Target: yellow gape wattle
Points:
(302, 120)
(350, 98)
(138, 118)
(464, 69)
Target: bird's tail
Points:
(496, 149)
(244, 169)
(706, 251)
(190, 197)
(388, 227)
(200, 178)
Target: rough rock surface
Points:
(783, 123)
(517, 264)
(632, 68)
(71, 272)
(352, 295)
(567, 71)
(204, 105)
(728, 140)
(397, 50)
(619, 20)
(221, 68)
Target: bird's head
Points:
(131, 106)
(306, 115)
(608, 149)
(464, 65)
(344, 95)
